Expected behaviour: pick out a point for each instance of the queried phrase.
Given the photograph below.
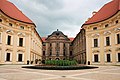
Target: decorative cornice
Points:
(117, 29)
(21, 34)
(20, 50)
(117, 49)
(95, 51)
(10, 32)
(107, 33)
(95, 35)
(9, 50)
(108, 50)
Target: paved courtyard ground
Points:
(15, 72)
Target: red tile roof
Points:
(43, 38)
(107, 11)
(71, 39)
(13, 12)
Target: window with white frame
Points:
(9, 40)
(21, 42)
(108, 57)
(107, 41)
(20, 57)
(118, 38)
(96, 58)
(118, 57)
(8, 57)
(95, 42)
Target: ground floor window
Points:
(118, 57)
(108, 58)
(96, 58)
(19, 57)
(8, 57)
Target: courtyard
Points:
(15, 72)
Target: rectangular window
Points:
(20, 41)
(118, 38)
(118, 57)
(8, 57)
(20, 57)
(108, 58)
(9, 40)
(107, 41)
(71, 53)
(50, 52)
(43, 53)
(95, 42)
(96, 58)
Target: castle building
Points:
(79, 47)
(19, 41)
(103, 35)
(57, 46)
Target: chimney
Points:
(94, 12)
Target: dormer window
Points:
(0, 20)
(116, 21)
(95, 28)
(106, 25)
(21, 27)
(10, 24)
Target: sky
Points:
(65, 15)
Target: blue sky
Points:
(65, 15)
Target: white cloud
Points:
(66, 15)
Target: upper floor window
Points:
(21, 27)
(106, 25)
(10, 24)
(0, 20)
(118, 38)
(9, 40)
(95, 28)
(107, 41)
(95, 42)
(20, 41)
(116, 21)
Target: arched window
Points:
(10, 24)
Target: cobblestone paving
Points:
(15, 72)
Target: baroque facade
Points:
(19, 40)
(103, 35)
(79, 47)
(57, 47)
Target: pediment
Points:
(9, 32)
